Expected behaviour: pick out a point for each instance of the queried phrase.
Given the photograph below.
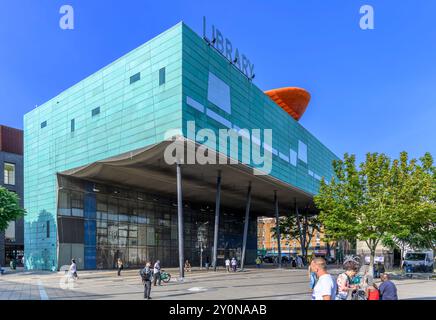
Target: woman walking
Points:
(120, 266)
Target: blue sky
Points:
(372, 91)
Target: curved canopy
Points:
(291, 99)
(147, 170)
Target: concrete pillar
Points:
(217, 220)
(247, 216)
(180, 221)
(279, 249)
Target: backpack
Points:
(145, 275)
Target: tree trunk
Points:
(402, 255)
(371, 261)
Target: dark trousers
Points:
(147, 289)
(156, 277)
(119, 271)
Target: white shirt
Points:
(156, 268)
(227, 262)
(73, 268)
(234, 263)
(325, 286)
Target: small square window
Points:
(73, 125)
(135, 77)
(161, 76)
(95, 111)
(43, 124)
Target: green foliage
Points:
(301, 229)
(10, 209)
(382, 200)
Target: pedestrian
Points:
(187, 266)
(234, 264)
(146, 275)
(312, 278)
(156, 273)
(73, 269)
(344, 281)
(388, 290)
(120, 266)
(227, 262)
(294, 262)
(299, 262)
(372, 292)
(207, 263)
(325, 287)
(381, 268)
(258, 262)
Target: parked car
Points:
(268, 259)
(273, 259)
(418, 261)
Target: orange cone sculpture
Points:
(291, 99)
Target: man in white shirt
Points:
(325, 288)
(228, 265)
(73, 269)
(156, 273)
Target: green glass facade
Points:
(174, 78)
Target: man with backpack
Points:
(146, 276)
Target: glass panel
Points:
(133, 259)
(64, 203)
(9, 173)
(142, 235)
(161, 76)
(150, 236)
(135, 77)
(76, 204)
(103, 258)
(112, 233)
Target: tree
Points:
(10, 209)
(381, 199)
(300, 227)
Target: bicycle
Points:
(165, 276)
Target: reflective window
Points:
(135, 77)
(137, 227)
(95, 111)
(161, 76)
(218, 92)
(302, 151)
(9, 173)
(64, 205)
(77, 204)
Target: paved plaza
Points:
(252, 284)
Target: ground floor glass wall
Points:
(97, 224)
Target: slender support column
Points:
(279, 249)
(217, 220)
(299, 229)
(247, 216)
(180, 221)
